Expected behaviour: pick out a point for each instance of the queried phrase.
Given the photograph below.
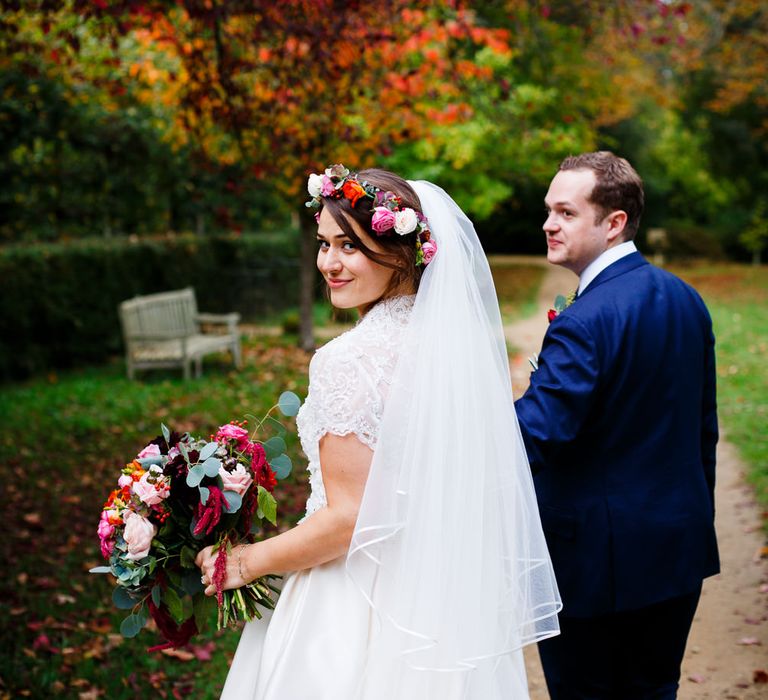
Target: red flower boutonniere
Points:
(561, 304)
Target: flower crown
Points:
(389, 216)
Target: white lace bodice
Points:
(349, 379)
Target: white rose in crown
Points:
(406, 221)
(315, 185)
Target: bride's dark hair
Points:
(399, 251)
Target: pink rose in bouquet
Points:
(138, 535)
(179, 495)
(238, 480)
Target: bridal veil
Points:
(448, 547)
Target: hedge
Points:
(59, 301)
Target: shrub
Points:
(60, 300)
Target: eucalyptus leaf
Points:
(132, 625)
(234, 501)
(281, 465)
(559, 303)
(204, 493)
(208, 449)
(184, 451)
(268, 505)
(274, 447)
(289, 403)
(100, 570)
(195, 475)
(149, 461)
(211, 466)
(166, 433)
(156, 595)
(122, 599)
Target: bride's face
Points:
(354, 280)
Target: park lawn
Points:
(737, 297)
(65, 439)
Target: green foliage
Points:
(755, 237)
(737, 298)
(60, 300)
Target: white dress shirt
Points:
(602, 261)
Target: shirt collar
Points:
(603, 260)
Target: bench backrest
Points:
(166, 312)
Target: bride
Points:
(420, 570)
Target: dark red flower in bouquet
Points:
(176, 635)
(262, 472)
(220, 573)
(551, 315)
(208, 515)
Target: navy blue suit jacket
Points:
(620, 426)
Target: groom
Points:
(620, 425)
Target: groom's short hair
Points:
(617, 186)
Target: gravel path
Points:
(727, 653)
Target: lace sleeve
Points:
(347, 391)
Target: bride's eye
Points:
(322, 244)
(348, 245)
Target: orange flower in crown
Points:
(353, 191)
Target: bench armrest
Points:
(230, 320)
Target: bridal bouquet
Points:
(179, 495)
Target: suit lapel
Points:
(620, 267)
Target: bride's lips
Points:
(336, 284)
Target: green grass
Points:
(65, 438)
(737, 297)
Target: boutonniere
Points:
(561, 304)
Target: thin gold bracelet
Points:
(240, 561)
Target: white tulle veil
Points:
(448, 547)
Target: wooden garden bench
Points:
(164, 330)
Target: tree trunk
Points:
(307, 292)
(756, 256)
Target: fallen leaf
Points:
(697, 678)
(749, 641)
(760, 676)
(180, 654)
(32, 518)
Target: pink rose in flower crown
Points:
(428, 250)
(149, 451)
(138, 535)
(383, 219)
(152, 493)
(230, 431)
(238, 480)
(105, 531)
(328, 187)
(124, 480)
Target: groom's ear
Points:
(617, 222)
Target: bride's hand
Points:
(206, 561)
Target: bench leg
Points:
(237, 357)
(199, 367)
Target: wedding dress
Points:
(315, 643)
(448, 574)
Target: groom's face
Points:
(574, 236)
